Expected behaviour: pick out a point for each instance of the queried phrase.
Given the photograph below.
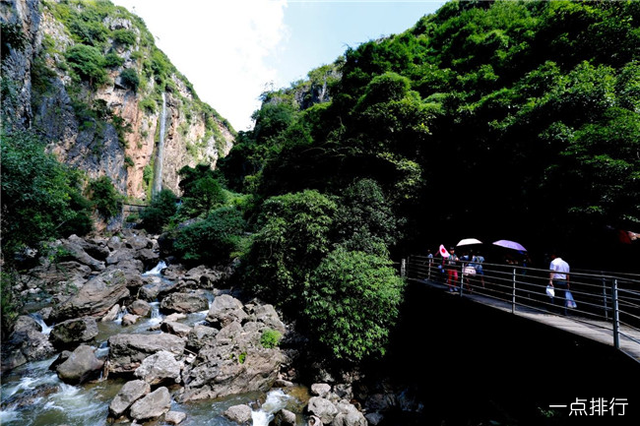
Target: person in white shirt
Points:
(559, 279)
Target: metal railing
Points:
(606, 300)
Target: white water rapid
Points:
(276, 401)
(156, 269)
(157, 177)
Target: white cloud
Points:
(220, 46)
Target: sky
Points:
(234, 50)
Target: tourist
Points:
(559, 279)
(452, 271)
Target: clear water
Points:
(32, 395)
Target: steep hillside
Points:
(494, 119)
(88, 77)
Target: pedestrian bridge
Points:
(608, 303)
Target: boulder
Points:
(322, 408)
(200, 336)
(159, 367)
(112, 314)
(320, 389)
(226, 370)
(348, 415)
(26, 343)
(152, 405)
(81, 366)
(95, 298)
(127, 351)
(224, 310)
(129, 319)
(175, 417)
(176, 328)
(128, 394)
(285, 417)
(184, 302)
(73, 250)
(69, 334)
(239, 414)
(140, 308)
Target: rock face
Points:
(233, 361)
(106, 125)
(128, 351)
(96, 297)
(26, 343)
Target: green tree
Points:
(213, 239)
(293, 236)
(351, 302)
(105, 197)
(201, 190)
(160, 212)
(41, 198)
(88, 62)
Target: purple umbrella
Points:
(510, 245)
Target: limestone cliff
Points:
(88, 77)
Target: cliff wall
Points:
(88, 77)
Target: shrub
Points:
(160, 211)
(293, 237)
(270, 338)
(88, 63)
(106, 199)
(129, 78)
(351, 301)
(41, 198)
(211, 240)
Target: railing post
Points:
(616, 315)
(462, 278)
(513, 294)
(604, 299)
(403, 268)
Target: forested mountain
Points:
(505, 119)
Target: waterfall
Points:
(157, 176)
(156, 269)
(276, 401)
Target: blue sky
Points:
(231, 50)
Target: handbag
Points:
(570, 301)
(550, 291)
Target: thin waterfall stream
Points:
(157, 177)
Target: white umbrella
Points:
(468, 242)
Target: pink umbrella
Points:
(510, 245)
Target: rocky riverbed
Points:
(114, 334)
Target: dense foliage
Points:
(505, 119)
(41, 198)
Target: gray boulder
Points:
(140, 308)
(127, 351)
(26, 343)
(224, 310)
(184, 303)
(152, 405)
(158, 368)
(95, 298)
(348, 415)
(81, 366)
(175, 417)
(128, 394)
(239, 414)
(69, 334)
(323, 409)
